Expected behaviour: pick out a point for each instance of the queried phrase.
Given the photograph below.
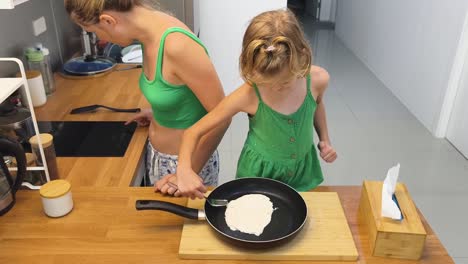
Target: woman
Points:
(178, 79)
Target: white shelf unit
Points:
(10, 4)
(9, 86)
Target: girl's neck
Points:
(281, 89)
(286, 100)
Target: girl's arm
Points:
(189, 183)
(320, 79)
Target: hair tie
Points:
(270, 48)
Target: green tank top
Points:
(281, 147)
(174, 106)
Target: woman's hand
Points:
(143, 118)
(327, 152)
(167, 184)
(189, 183)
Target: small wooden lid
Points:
(55, 189)
(46, 139)
(30, 74)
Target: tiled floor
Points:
(461, 260)
(372, 131)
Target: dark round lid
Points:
(17, 116)
(83, 66)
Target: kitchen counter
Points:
(104, 227)
(117, 89)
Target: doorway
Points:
(453, 121)
(457, 132)
(319, 13)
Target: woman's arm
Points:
(320, 79)
(194, 68)
(143, 118)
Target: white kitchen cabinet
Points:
(10, 4)
(7, 87)
(140, 173)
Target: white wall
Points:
(196, 16)
(409, 45)
(333, 11)
(222, 27)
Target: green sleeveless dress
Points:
(281, 147)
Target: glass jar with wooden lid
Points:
(49, 153)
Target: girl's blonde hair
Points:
(88, 11)
(273, 41)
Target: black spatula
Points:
(93, 108)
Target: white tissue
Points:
(389, 207)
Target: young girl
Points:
(178, 79)
(282, 96)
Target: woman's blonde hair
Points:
(273, 41)
(88, 11)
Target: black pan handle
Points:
(168, 207)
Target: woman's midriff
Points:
(165, 140)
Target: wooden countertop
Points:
(104, 227)
(117, 89)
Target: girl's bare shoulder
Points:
(246, 96)
(319, 75)
(320, 79)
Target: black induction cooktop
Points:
(89, 139)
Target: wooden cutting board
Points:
(326, 236)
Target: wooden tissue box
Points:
(391, 238)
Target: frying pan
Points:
(286, 221)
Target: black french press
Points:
(8, 184)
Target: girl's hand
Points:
(327, 152)
(189, 183)
(164, 187)
(143, 118)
